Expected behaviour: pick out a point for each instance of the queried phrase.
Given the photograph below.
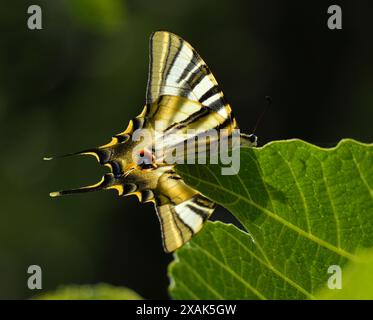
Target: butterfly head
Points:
(253, 139)
(249, 139)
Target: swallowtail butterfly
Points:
(181, 94)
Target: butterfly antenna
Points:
(269, 102)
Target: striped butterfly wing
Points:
(182, 94)
(176, 69)
(182, 91)
(181, 210)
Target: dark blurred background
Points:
(79, 80)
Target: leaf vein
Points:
(288, 224)
(271, 267)
(234, 274)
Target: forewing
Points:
(176, 69)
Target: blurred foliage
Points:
(98, 15)
(81, 78)
(90, 292)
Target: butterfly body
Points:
(183, 102)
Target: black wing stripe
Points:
(217, 104)
(176, 69)
(177, 216)
(176, 56)
(208, 94)
(174, 217)
(193, 117)
(189, 68)
(198, 211)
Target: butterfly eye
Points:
(145, 159)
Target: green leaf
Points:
(357, 280)
(100, 291)
(304, 209)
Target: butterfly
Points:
(181, 94)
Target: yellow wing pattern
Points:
(181, 94)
